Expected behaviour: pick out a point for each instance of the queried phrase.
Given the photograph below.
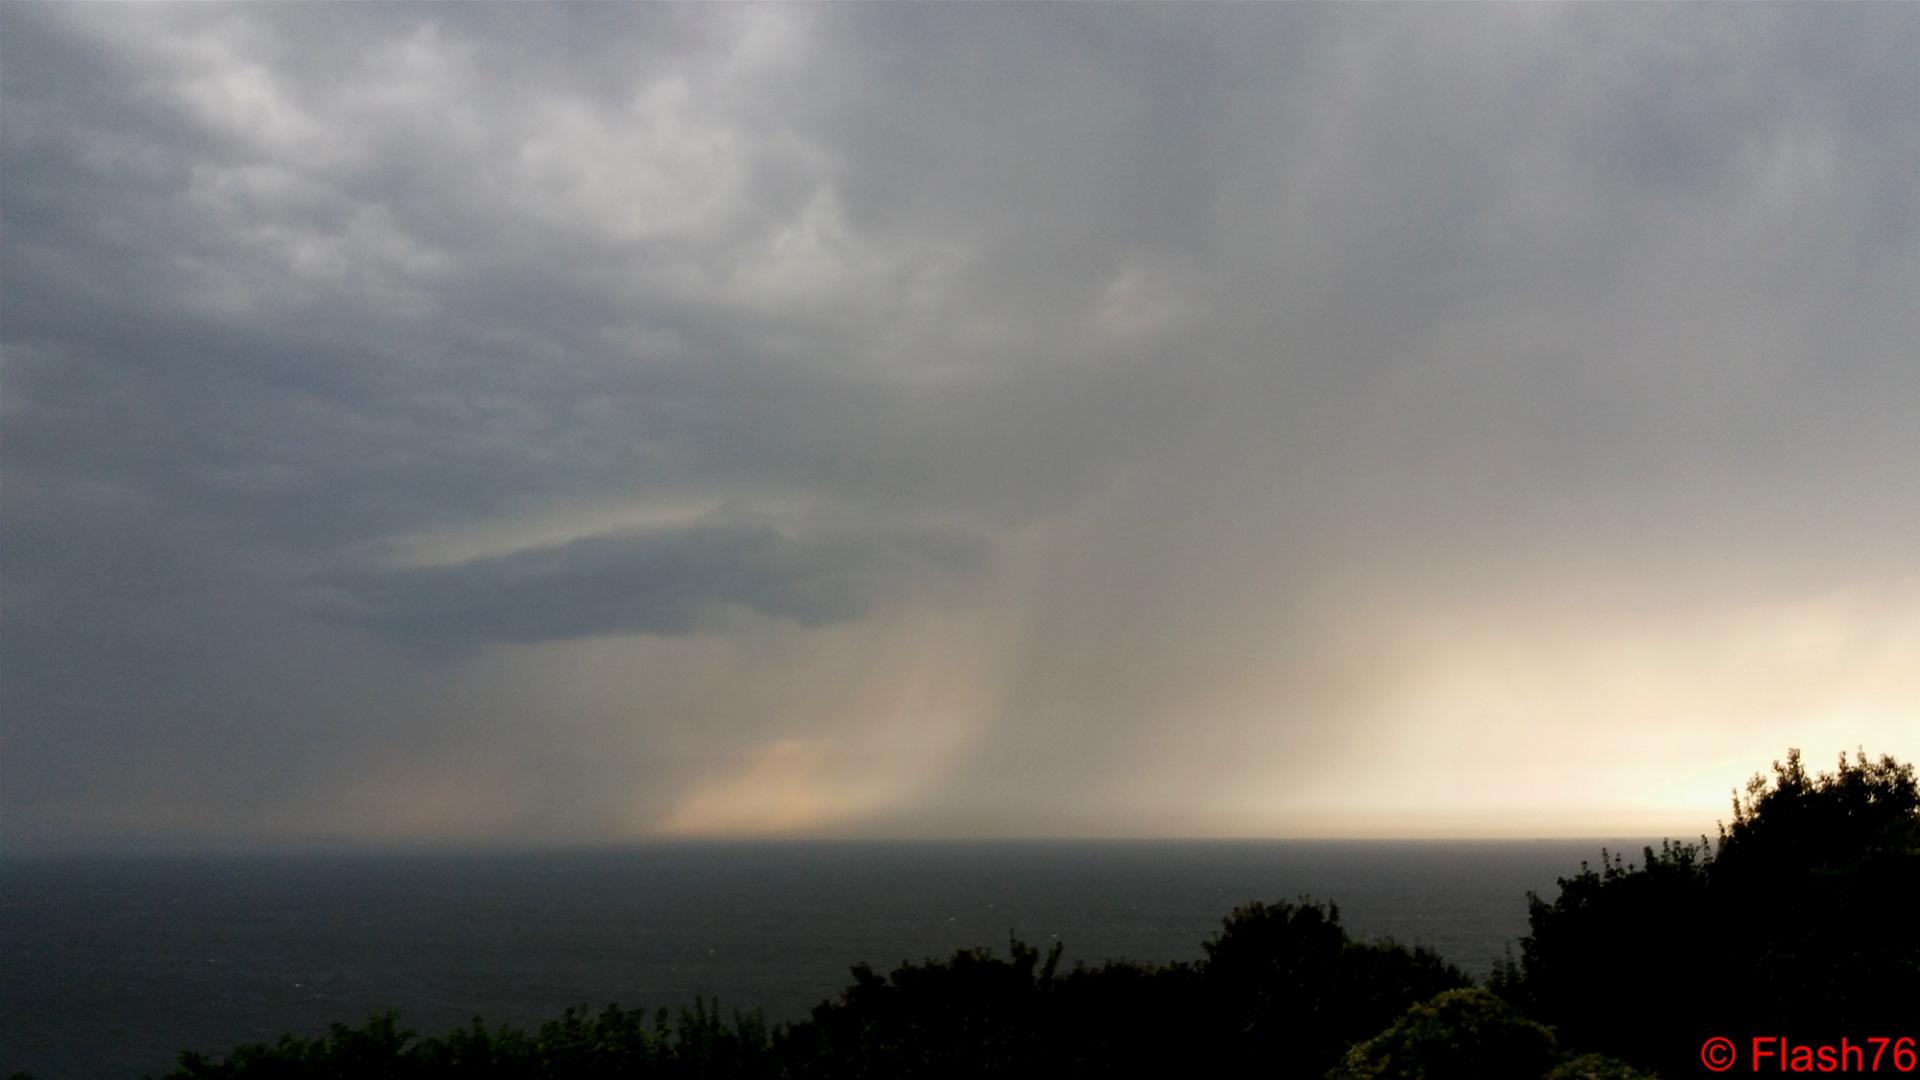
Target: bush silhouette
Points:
(1797, 921)
(1596, 1067)
(1459, 1035)
(614, 1043)
(1286, 985)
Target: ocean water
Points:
(109, 966)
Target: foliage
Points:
(1816, 884)
(1585, 964)
(973, 1015)
(1459, 1035)
(613, 1043)
(1281, 984)
(1797, 921)
(1284, 983)
(1596, 1067)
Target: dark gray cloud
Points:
(943, 419)
(660, 583)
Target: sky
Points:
(509, 424)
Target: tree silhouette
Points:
(1797, 921)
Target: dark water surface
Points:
(111, 965)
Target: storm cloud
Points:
(525, 423)
(656, 584)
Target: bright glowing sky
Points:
(584, 423)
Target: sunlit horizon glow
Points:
(491, 426)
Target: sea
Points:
(112, 965)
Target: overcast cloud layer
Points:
(537, 423)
